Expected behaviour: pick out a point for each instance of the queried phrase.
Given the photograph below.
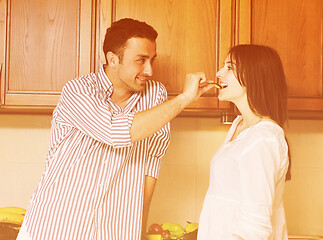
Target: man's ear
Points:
(112, 59)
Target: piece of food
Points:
(191, 227)
(17, 210)
(153, 237)
(155, 228)
(166, 235)
(175, 230)
(10, 217)
(217, 86)
(204, 83)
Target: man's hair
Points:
(117, 35)
(260, 70)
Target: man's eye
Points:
(141, 60)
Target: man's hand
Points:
(147, 122)
(195, 85)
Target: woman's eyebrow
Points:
(229, 62)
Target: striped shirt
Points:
(92, 186)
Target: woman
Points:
(245, 195)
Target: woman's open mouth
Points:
(223, 85)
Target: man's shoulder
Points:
(88, 79)
(83, 82)
(153, 86)
(154, 94)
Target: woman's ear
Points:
(112, 59)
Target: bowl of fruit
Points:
(172, 231)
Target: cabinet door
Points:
(3, 6)
(192, 36)
(294, 29)
(104, 15)
(47, 43)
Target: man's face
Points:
(136, 66)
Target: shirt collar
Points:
(106, 85)
(104, 81)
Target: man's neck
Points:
(120, 95)
(120, 99)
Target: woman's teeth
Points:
(223, 85)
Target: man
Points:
(109, 132)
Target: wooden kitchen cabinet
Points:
(294, 29)
(44, 43)
(196, 36)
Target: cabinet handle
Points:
(1, 72)
(1, 84)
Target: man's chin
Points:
(141, 86)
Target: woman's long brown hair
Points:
(260, 70)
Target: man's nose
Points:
(148, 69)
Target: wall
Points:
(184, 179)
(23, 147)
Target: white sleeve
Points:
(258, 167)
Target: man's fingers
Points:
(206, 83)
(202, 78)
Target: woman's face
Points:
(232, 90)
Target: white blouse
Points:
(247, 179)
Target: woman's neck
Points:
(249, 118)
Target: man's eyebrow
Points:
(146, 56)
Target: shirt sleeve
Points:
(82, 107)
(158, 142)
(258, 167)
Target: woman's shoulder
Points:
(269, 129)
(267, 134)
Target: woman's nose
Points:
(219, 73)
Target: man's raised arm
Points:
(147, 122)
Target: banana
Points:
(9, 217)
(17, 210)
